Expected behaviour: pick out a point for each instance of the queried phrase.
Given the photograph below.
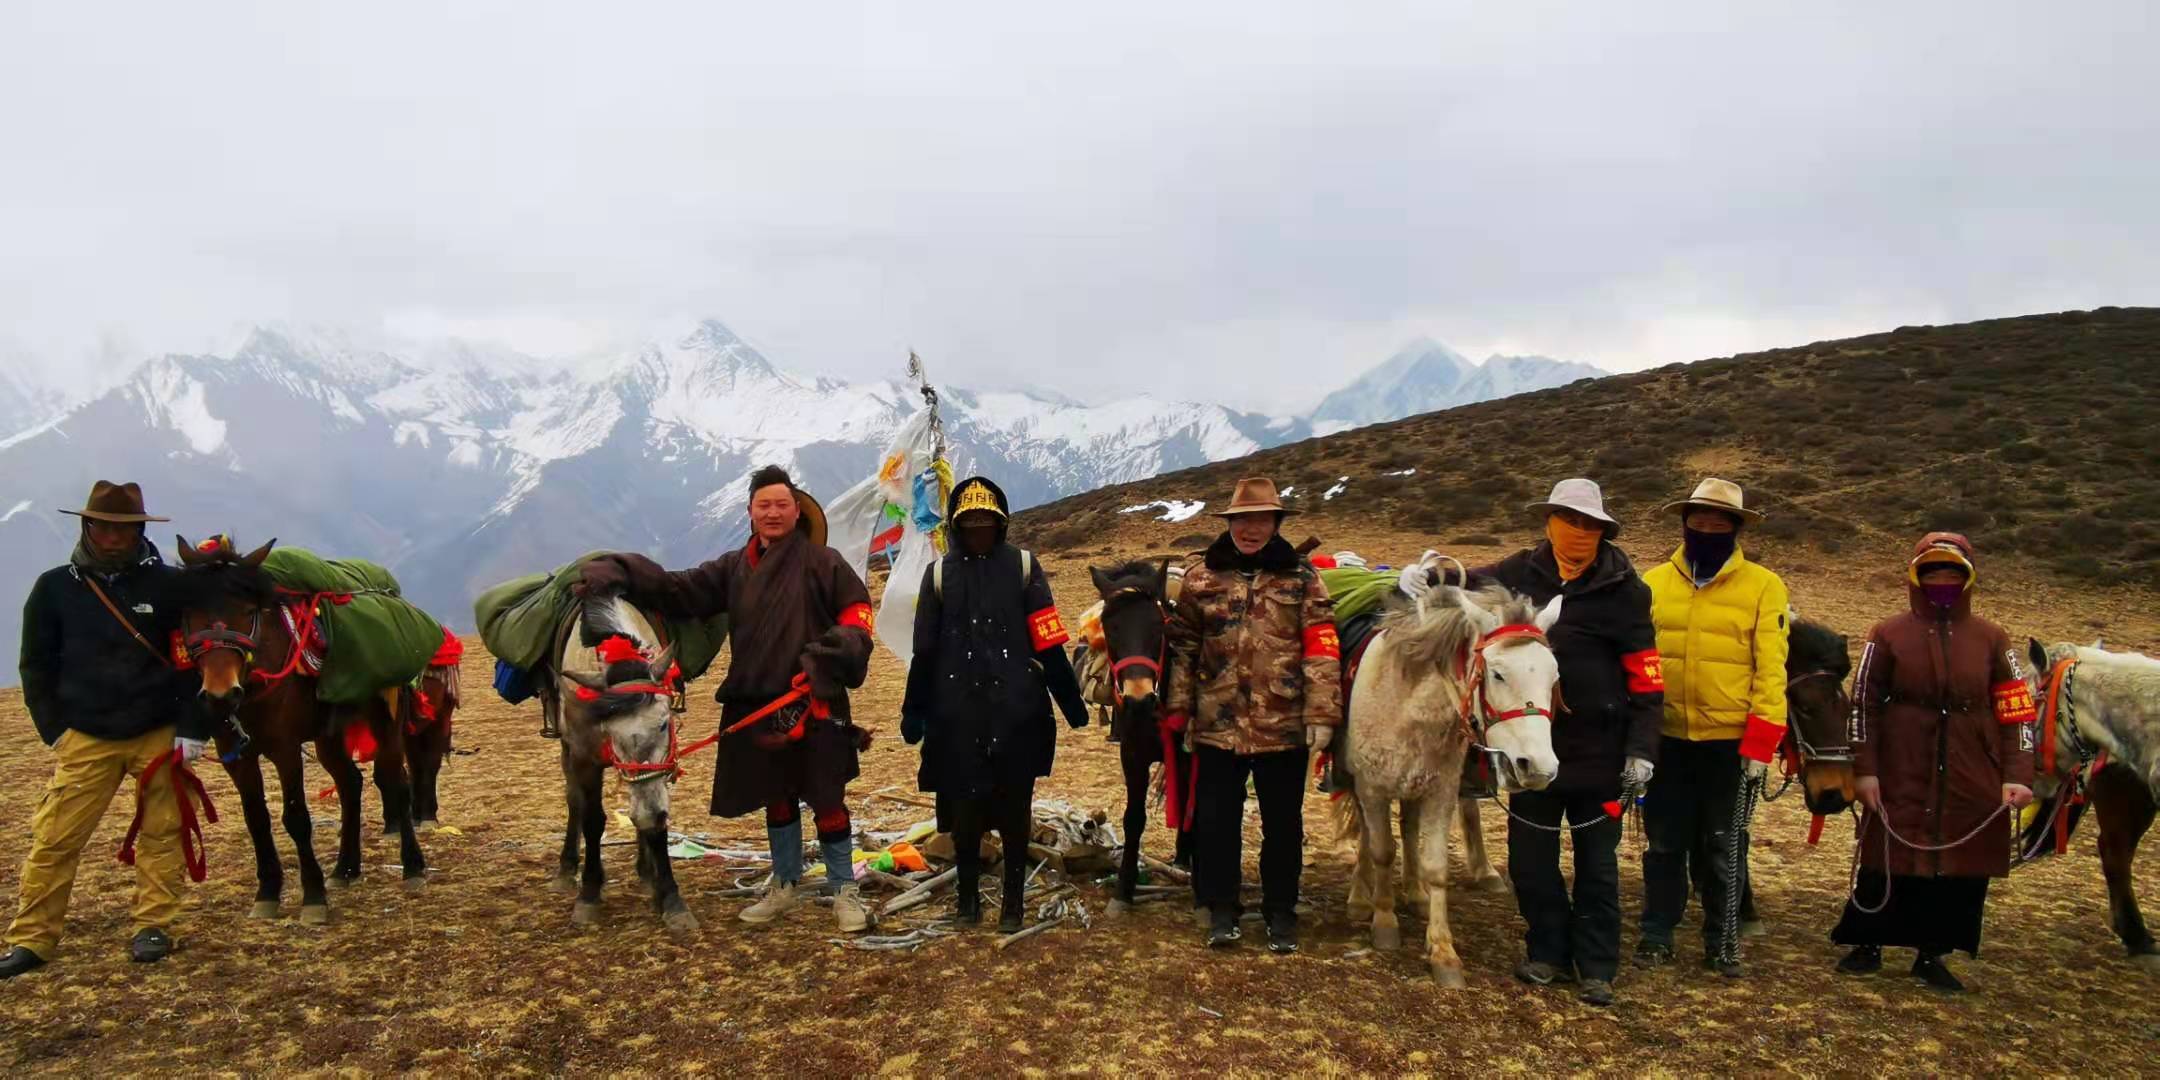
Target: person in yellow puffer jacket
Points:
(1721, 639)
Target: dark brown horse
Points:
(2097, 746)
(1135, 622)
(252, 643)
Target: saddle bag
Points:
(513, 683)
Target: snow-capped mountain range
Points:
(460, 465)
(1426, 376)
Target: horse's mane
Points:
(1443, 634)
(225, 578)
(1144, 574)
(1811, 646)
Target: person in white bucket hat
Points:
(1606, 739)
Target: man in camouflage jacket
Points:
(1256, 684)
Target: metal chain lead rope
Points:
(1743, 816)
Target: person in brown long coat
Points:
(1942, 735)
(795, 610)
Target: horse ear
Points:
(1485, 621)
(663, 661)
(2038, 653)
(255, 558)
(1102, 580)
(188, 557)
(1549, 616)
(1162, 580)
(2097, 643)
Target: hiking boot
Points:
(1652, 953)
(773, 901)
(19, 960)
(1223, 932)
(1282, 933)
(1596, 992)
(848, 909)
(1540, 973)
(1863, 960)
(1729, 968)
(1931, 971)
(150, 946)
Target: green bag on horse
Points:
(373, 638)
(519, 619)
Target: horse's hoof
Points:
(340, 881)
(2149, 961)
(565, 883)
(414, 884)
(1359, 914)
(315, 914)
(1387, 938)
(585, 913)
(264, 909)
(1117, 909)
(1753, 928)
(429, 825)
(681, 922)
(1493, 884)
(1449, 978)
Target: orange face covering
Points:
(1573, 549)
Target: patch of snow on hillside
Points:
(1173, 510)
(1401, 472)
(1341, 485)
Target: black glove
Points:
(911, 728)
(600, 577)
(1076, 720)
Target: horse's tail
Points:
(1348, 815)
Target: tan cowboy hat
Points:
(1582, 496)
(118, 503)
(1254, 495)
(813, 517)
(1716, 494)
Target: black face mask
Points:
(1707, 553)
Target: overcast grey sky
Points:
(1230, 199)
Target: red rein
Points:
(183, 780)
(618, 649)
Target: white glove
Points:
(189, 749)
(1318, 738)
(1635, 775)
(1350, 558)
(1416, 581)
(1753, 769)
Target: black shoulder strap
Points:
(123, 620)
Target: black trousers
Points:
(1582, 934)
(1688, 813)
(1278, 779)
(1009, 809)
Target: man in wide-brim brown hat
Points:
(1256, 687)
(98, 685)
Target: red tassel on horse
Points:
(360, 743)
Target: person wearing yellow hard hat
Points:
(989, 660)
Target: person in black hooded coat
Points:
(988, 648)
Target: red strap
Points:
(1176, 794)
(1814, 831)
(2049, 718)
(184, 779)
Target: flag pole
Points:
(938, 462)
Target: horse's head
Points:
(1514, 681)
(222, 596)
(616, 691)
(2037, 667)
(1818, 711)
(1135, 631)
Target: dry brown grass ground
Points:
(484, 974)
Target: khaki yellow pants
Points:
(89, 772)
